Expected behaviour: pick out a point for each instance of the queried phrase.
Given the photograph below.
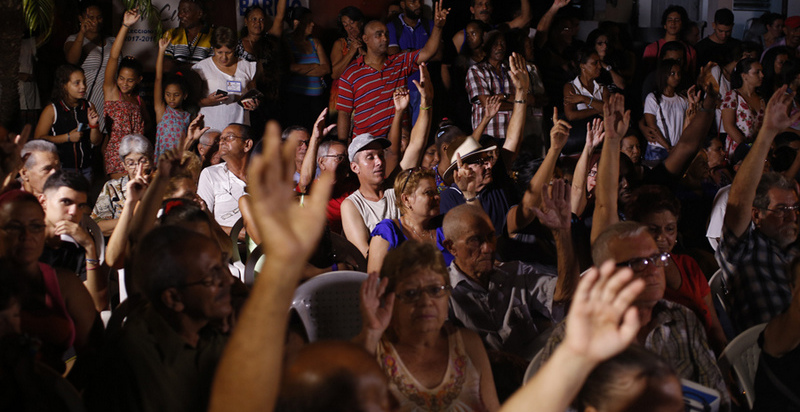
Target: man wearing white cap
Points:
(373, 201)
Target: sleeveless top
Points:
(126, 118)
(459, 390)
(172, 126)
(373, 212)
(305, 85)
(73, 155)
(577, 86)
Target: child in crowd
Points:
(168, 97)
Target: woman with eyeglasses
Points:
(55, 306)
(136, 154)
(418, 201)
(658, 209)
(431, 365)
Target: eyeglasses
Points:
(413, 295)
(16, 229)
(781, 211)
(339, 157)
(481, 161)
(303, 142)
(659, 260)
(142, 161)
(230, 137)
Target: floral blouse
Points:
(747, 120)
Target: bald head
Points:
(334, 376)
(461, 218)
(376, 37)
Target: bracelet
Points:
(94, 127)
(334, 267)
(472, 198)
(520, 101)
(425, 108)
(591, 100)
(92, 267)
(69, 137)
(92, 260)
(126, 25)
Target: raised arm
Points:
(743, 190)
(277, 21)
(309, 166)
(556, 216)
(432, 45)
(594, 136)
(73, 50)
(692, 137)
(516, 124)
(522, 215)
(376, 311)
(118, 242)
(110, 78)
(158, 91)
(524, 15)
(616, 125)
(249, 373)
(601, 323)
(419, 133)
(400, 98)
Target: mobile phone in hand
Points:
(221, 92)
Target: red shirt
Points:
(369, 91)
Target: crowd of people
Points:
(521, 199)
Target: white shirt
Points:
(374, 212)
(219, 117)
(669, 114)
(221, 190)
(717, 218)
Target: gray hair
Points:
(770, 180)
(135, 143)
(617, 231)
(37, 145)
(205, 136)
(325, 147)
(287, 131)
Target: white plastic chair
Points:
(328, 305)
(533, 367)
(719, 288)
(742, 354)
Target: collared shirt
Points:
(755, 269)
(679, 338)
(148, 366)
(368, 92)
(183, 51)
(482, 80)
(111, 200)
(410, 38)
(221, 190)
(512, 312)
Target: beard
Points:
(413, 14)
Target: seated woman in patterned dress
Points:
(432, 366)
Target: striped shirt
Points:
(482, 81)
(756, 270)
(181, 50)
(369, 91)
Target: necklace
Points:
(427, 233)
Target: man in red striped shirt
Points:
(367, 85)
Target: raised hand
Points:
(164, 42)
(10, 149)
(519, 72)
(560, 131)
(195, 130)
(556, 213)
(138, 185)
(493, 104)
(776, 115)
(424, 85)
(171, 162)
(595, 133)
(602, 321)
(290, 231)
(439, 14)
(559, 4)
(465, 178)
(131, 16)
(400, 98)
(376, 316)
(319, 125)
(616, 118)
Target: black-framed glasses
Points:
(781, 211)
(303, 142)
(659, 260)
(133, 163)
(410, 172)
(433, 291)
(339, 157)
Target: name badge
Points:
(233, 86)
